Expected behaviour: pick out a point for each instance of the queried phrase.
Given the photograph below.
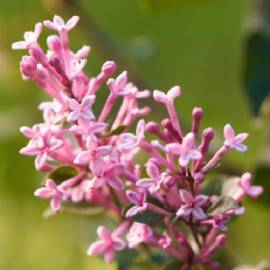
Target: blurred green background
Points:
(201, 45)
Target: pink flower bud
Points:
(109, 68)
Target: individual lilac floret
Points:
(234, 141)
(110, 175)
(152, 183)
(139, 199)
(168, 100)
(244, 182)
(29, 38)
(191, 205)
(118, 85)
(129, 140)
(42, 143)
(88, 129)
(59, 24)
(107, 244)
(217, 222)
(172, 94)
(93, 157)
(186, 150)
(83, 110)
(156, 180)
(139, 233)
(53, 192)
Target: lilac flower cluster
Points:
(167, 210)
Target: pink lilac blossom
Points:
(96, 155)
(139, 233)
(191, 205)
(107, 244)
(53, 192)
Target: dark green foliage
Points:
(125, 259)
(262, 177)
(257, 66)
(213, 187)
(173, 265)
(63, 173)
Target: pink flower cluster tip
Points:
(89, 157)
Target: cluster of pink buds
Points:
(89, 157)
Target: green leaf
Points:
(257, 53)
(256, 73)
(117, 130)
(125, 258)
(213, 187)
(82, 208)
(222, 205)
(146, 217)
(158, 258)
(174, 265)
(61, 174)
(149, 218)
(261, 177)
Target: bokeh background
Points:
(217, 50)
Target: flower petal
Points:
(133, 197)
(82, 158)
(145, 182)
(198, 213)
(116, 183)
(96, 248)
(71, 23)
(228, 132)
(56, 203)
(186, 196)
(255, 191)
(133, 211)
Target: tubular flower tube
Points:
(90, 157)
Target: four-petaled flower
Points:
(138, 233)
(234, 141)
(53, 192)
(93, 157)
(156, 180)
(81, 111)
(30, 37)
(186, 151)
(168, 98)
(110, 175)
(42, 143)
(129, 140)
(88, 129)
(58, 24)
(244, 183)
(191, 205)
(139, 199)
(107, 244)
(217, 221)
(118, 85)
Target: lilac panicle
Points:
(99, 150)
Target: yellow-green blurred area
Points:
(198, 45)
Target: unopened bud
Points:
(109, 68)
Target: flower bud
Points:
(54, 43)
(28, 66)
(109, 68)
